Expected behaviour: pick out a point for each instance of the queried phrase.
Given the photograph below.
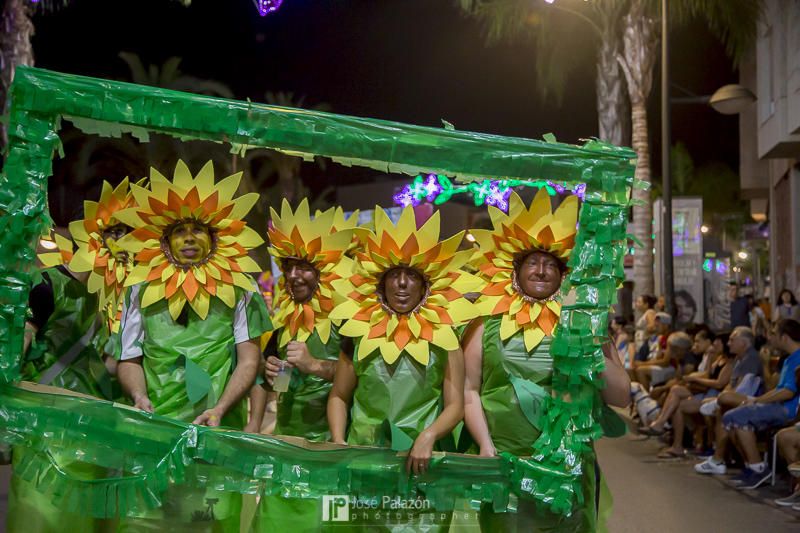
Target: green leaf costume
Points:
(302, 410)
(187, 364)
(514, 391)
(66, 353)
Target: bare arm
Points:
(298, 355)
(131, 377)
(258, 404)
(30, 333)
(720, 383)
(650, 318)
(474, 417)
(617, 391)
(247, 362)
(775, 396)
(453, 412)
(344, 383)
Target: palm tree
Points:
(16, 30)
(628, 29)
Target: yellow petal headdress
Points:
(443, 308)
(62, 256)
(322, 241)
(198, 199)
(522, 230)
(106, 273)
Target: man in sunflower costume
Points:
(192, 318)
(403, 386)
(72, 315)
(63, 348)
(311, 255)
(99, 253)
(522, 262)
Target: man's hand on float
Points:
(210, 417)
(298, 355)
(420, 456)
(141, 401)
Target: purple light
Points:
(498, 197)
(431, 187)
(265, 7)
(580, 191)
(405, 197)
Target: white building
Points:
(770, 138)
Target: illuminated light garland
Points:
(439, 189)
(265, 7)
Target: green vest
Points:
(404, 396)
(302, 410)
(514, 382)
(187, 366)
(75, 313)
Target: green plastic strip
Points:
(143, 454)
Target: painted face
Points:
(110, 237)
(403, 289)
(189, 242)
(301, 279)
(539, 275)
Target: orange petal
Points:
(172, 286)
(547, 320)
(190, 286)
(379, 329)
(402, 334)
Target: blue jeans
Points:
(756, 417)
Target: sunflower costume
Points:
(185, 318)
(98, 252)
(516, 368)
(66, 352)
(322, 243)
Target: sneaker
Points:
(796, 507)
(739, 479)
(710, 467)
(789, 501)
(794, 469)
(755, 480)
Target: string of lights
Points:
(438, 189)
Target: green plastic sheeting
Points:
(40, 99)
(145, 453)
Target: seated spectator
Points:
(789, 448)
(684, 399)
(652, 350)
(745, 381)
(776, 407)
(623, 341)
(667, 365)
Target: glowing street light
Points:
(742, 255)
(704, 229)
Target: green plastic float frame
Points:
(162, 449)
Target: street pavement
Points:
(652, 495)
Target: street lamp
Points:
(704, 229)
(731, 99)
(742, 255)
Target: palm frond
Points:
(733, 22)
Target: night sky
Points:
(416, 61)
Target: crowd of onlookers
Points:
(728, 398)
